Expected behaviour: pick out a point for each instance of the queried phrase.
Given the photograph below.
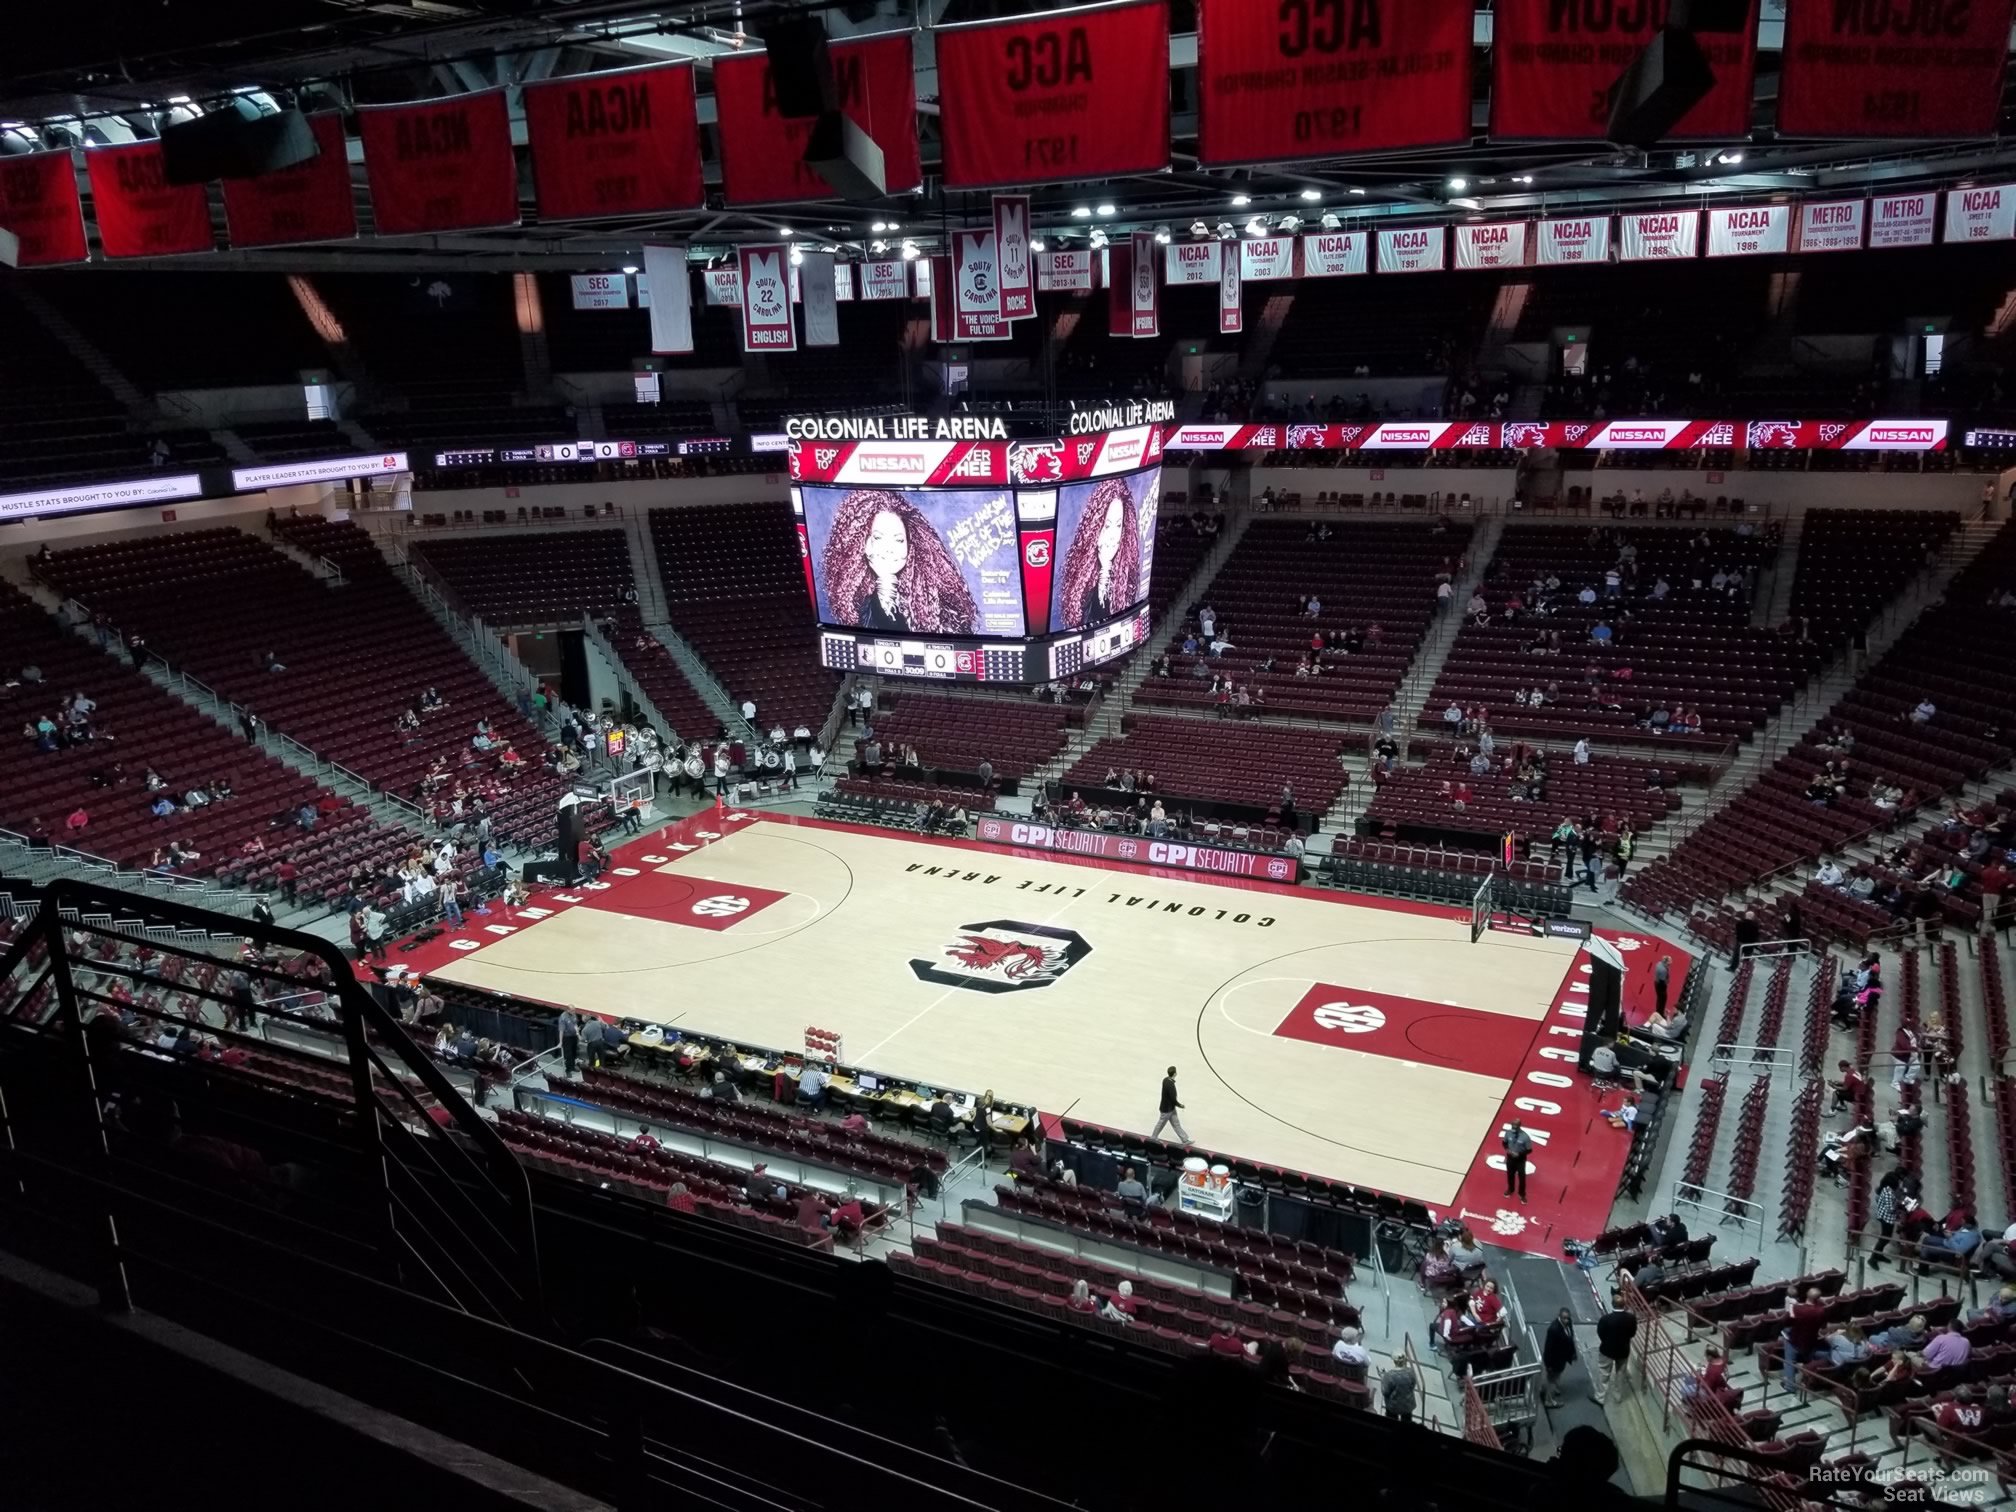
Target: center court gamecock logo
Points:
(1004, 955)
(1036, 461)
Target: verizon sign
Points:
(1660, 236)
(1981, 215)
(1902, 220)
(1575, 239)
(1832, 225)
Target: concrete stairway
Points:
(1441, 638)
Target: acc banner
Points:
(442, 166)
(1076, 94)
(1413, 249)
(1554, 63)
(141, 214)
(40, 205)
(1064, 272)
(762, 152)
(1502, 245)
(1266, 257)
(1831, 225)
(672, 309)
(1011, 246)
(1979, 215)
(1574, 239)
(1333, 254)
(976, 275)
(615, 143)
(309, 202)
(1902, 220)
(1231, 312)
(1892, 69)
(1749, 230)
(1285, 79)
(766, 299)
(1660, 236)
(1192, 262)
(886, 278)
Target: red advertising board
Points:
(141, 214)
(1893, 69)
(762, 152)
(1567, 435)
(1078, 94)
(1284, 79)
(40, 205)
(1553, 65)
(444, 165)
(615, 143)
(311, 201)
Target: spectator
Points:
(1614, 1332)
(1130, 1190)
(1557, 1354)
(1801, 1334)
(1353, 1363)
(1396, 1393)
(1949, 1347)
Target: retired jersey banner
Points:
(886, 278)
(445, 165)
(1659, 236)
(934, 273)
(40, 205)
(619, 143)
(672, 310)
(767, 325)
(1074, 94)
(1981, 215)
(818, 291)
(1011, 246)
(1064, 272)
(1334, 254)
(311, 201)
(1192, 262)
(843, 281)
(762, 152)
(1572, 239)
(1902, 220)
(976, 274)
(141, 214)
(1832, 225)
(1749, 230)
(723, 286)
(1502, 245)
(1413, 249)
(1888, 68)
(1262, 258)
(1144, 288)
(1555, 62)
(1284, 79)
(1231, 310)
(926, 272)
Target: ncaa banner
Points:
(615, 143)
(1749, 230)
(1011, 245)
(1554, 65)
(762, 152)
(1981, 215)
(1075, 94)
(40, 205)
(1192, 262)
(1659, 236)
(1832, 225)
(1893, 69)
(1572, 239)
(1231, 309)
(1334, 254)
(1502, 245)
(723, 286)
(1262, 258)
(1144, 301)
(1902, 220)
(887, 278)
(1413, 249)
(1064, 272)
(1279, 80)
(141, 214)
(445, 165)
(311, 201)
(766, 299)
(821, 300)
(976, 274)
(672, 306)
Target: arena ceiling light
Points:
(1288, 223)
(879, 227)
(1162, 235)
(1105, 209)
(1035, 244)
(1330, 221)
(1256, 227)
(1312, 194)
(1200, 228)
(878, 248)
(797, 256)
(1357, 191)
(1241, 201)
(1458, 185)
(1081, 212)
(909, 250)
(1225, 231)
(1098, 237)
(630, 268)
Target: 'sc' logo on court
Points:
(1351, 1018)
(721, 906)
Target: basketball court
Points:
(1359, 1039)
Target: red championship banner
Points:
(1231, 309)
(1554, 64)
(141, 214)
(767, 325)
(1077, 94)
(40, 205)
(1144, 289)
(935, 278)
(1887, 68)
(1749, 230)
(1832, 225)
(1500, 244)
(445, 165)
(762, 152)
(311, 201)
(616, 143)
(1018, 266)
(1284, 79)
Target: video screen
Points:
(1106, 534)
(915, 561)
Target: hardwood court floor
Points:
(1364, 1041)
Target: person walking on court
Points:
(1169, 1109)
(1614, 1332)
(1557, 1354)
(1661, 974)
(1518, 1146)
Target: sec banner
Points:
(615, 143)
(445, 165)
(39, 204)
(1047, 99)
(762, 152)
(311, 201)
(1284, 79)
(1555, 62)
(1893, 69)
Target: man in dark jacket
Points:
(1558, 1353)
(1518, 1146)
(1614, 1332)
(1170, 1104)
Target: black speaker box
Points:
(235, 143)
(801, 72)
(1663, 83)
(1712, 15)
(846, 157)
